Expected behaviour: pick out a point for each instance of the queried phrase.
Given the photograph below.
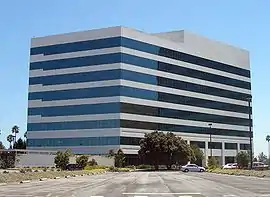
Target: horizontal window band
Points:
(141, 78)
(137, 61)
(106, 108)
(132, 124)
(140, 46)
(180, 114)
(96, 124)
(85, 141)
(135, 74)
(135, 93)
(155, 65)
(71, 110)
(181, 128)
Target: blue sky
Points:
(243, 23)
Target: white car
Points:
(230, 166)
(192, 168)
(259, 165)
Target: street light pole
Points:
(211, 148)
(250, 132)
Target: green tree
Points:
(198, 155)
(158, 148)
(61, 159)
(82, 160)
(242, 159)
(119, 159)
(111, 153)
(262, 157)
(10, 139)
(15, 129)
(7, 159)
(2, 146)
(152, 147)
(20, 144)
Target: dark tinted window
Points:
(76, 77)
(244, 146)
(137, 45)
(130, 141)
(77, 62)
(76, 93)
(180, 114)
(182, 85)
(214, 145)
(88, 141)
(231, 146)
(136, 93)
(180, 128)
(198, 144)
(95, 124)
(69, 110)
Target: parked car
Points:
(258, 165)
(230, 166)
(192, 168)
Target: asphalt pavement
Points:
(143, 184)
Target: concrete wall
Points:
(46, 160)
(34, 160)
(101, 160)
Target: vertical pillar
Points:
(237, 151)
(206, 153)
(188, 142)
(223, 154)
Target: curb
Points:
(2, 184)
(43, 179)
(26, 181)
(57, 177)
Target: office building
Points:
(103, 89)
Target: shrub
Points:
(28, 170)
(62, 159)
(119, 159)
(144, 166)
(212, 163)
(94, 167)
(242, 159)
(92, 162)
(5, 172)
(45, 169)
(113, 169)
(82, 160)
(7, 160)
(22, 171)
(36, 171)
(131, 167)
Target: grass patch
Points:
(261, 173)
(18, 176)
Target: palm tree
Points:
(15, 130)
(268, 140)
(10, 138)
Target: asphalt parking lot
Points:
(144, 184)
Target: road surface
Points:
(144, 184)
